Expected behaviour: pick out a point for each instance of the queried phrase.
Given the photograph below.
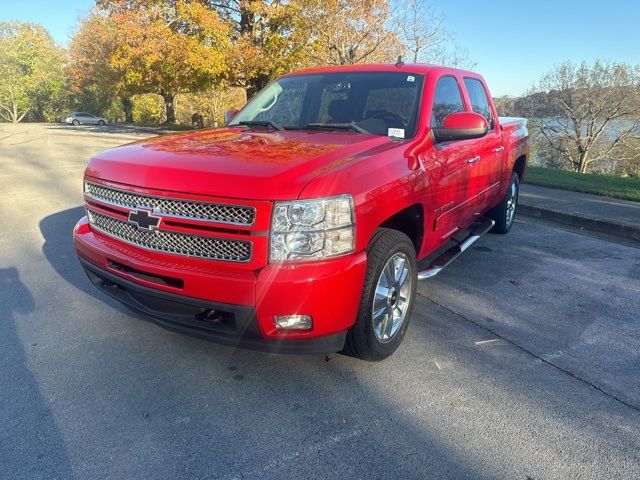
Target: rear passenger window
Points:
(447, 99)
(479, 101)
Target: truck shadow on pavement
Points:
(58, 248)
(31, 444)
(57, 231)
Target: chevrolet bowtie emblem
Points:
(144, 220)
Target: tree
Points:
(270, 37)
(266, 37)
(167, 47)
(596, 111)
(31, 77)
(425, 37)
(627, 157)
(93, 81)
(422, 31)
(355, 31)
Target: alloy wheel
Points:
(392, 297)
(512, 201)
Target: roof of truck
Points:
(418, 68)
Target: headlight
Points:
(312, 229)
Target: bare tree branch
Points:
(598, 111)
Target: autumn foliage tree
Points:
(269, 38)
(166, 47)
(258, 39)
(264, 38)
(93, 79)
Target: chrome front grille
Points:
(206, 247)
(216, 212)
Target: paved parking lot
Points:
(521, 362)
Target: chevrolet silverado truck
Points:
(306, 222)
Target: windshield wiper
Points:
(337, 126)
(261, 123)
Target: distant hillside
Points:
(535, 105)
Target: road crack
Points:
(534, 355)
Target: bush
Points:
(148, 108)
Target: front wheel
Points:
(505, 212)
(76, 122)
(387, 297)
(101, 123)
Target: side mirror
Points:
(229, 114)
(461, 126)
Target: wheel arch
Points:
(520, 167)
(410, 221)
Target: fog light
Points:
(293, 322)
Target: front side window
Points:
(479, 101)
(447, 99)
(381, 103)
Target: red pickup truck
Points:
(299, 226)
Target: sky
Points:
(513, 42)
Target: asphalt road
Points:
(521, 362)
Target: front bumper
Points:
(182, 293)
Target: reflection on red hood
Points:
(233, 162)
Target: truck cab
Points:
(300, 226)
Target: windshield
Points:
(382, 103)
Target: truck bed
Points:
(512, 121)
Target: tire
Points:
(504, 213)
(76, 122)
(101, 123)
(389, 253)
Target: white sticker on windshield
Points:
(411, 78)
(396, 132)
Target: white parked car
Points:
(77, 118)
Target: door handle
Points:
(473, 159)
(498, 149)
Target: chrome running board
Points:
(454, 252)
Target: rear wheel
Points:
(505, 212)
(387, 297)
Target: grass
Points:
(606, 185)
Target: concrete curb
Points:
(586, 223)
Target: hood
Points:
(233, 162)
